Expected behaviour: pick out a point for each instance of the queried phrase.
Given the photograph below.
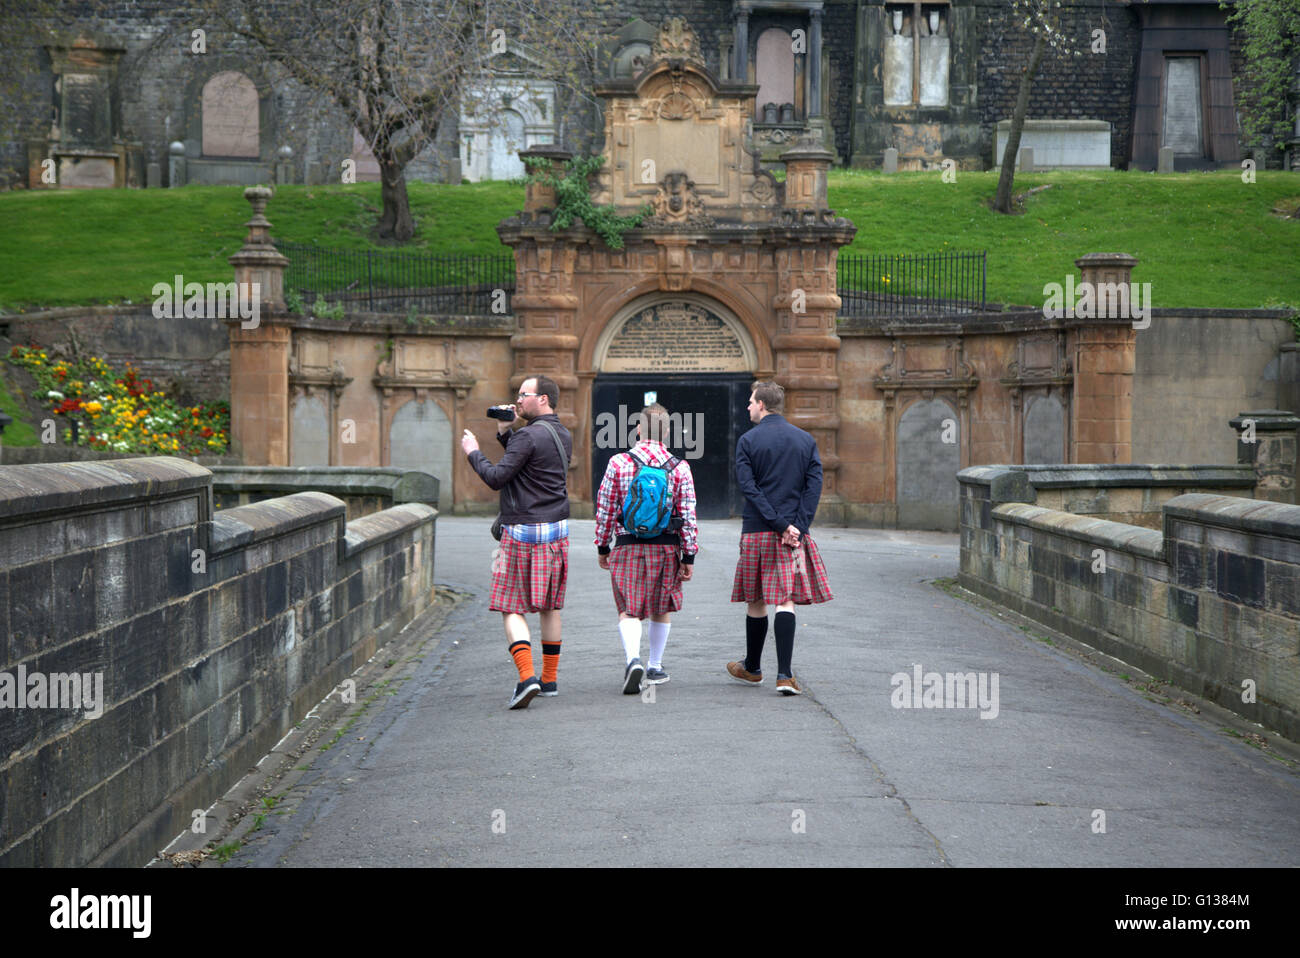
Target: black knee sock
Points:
(755, 634)
(783, 627)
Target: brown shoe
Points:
(737, 671)
(789, 687)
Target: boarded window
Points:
(230, 116)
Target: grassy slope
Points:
(1203, 239)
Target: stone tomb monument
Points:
(732, 278)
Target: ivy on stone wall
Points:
(573, 199)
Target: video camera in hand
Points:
(504, 413)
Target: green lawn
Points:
(1203, 239)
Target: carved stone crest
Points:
(677, 204)
(677, 41)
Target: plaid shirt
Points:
(539, 531)
(617, 481)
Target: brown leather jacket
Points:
(531, 476)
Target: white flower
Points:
(55, 394)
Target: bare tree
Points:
(399, 69)
(1040, 19)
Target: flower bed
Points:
(120, 411)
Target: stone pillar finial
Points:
(1266, 439)
(1106, 267)
(538, 196)
(259, 261)
(806, 166)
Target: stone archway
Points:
(694, 356)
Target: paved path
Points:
(715, 773)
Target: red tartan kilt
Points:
(644, 579)
(529, 576)
(766, 572)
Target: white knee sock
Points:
(658, 639)
(630, 630)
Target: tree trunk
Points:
(1002, 203)
(395, 221)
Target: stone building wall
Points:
(160, 79)
(1087, 87)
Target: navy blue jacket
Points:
(780, 473)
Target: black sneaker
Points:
(549, 690)
(632, 677)
(655, 676)
(525, 691)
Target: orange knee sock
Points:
(522, 652)
(550, 660)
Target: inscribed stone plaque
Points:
(85, 111)
(898, 70)
(309, 443)
(230, 116)
(1183, 105)
(934, 71)
(420, 438)
(926, 471)
(774, 69)
(95, 172)
(675, 337)
(1045, 431)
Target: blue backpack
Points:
(648, 505)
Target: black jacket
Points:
(531, 476)
(780, 473)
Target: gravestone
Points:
(891, 160)
(1166, 162)
(1026, 159)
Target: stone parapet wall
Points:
(211, 635)
(1211, 602)
(363, 490)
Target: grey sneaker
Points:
(655, 676)
(632, 677)
(549, 690)
(525, 692)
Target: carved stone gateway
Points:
(733, 274)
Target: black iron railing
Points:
(384, 281)
(870, 285)
(881, 284)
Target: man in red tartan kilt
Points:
(779, 470)
(646, 572)
(530, 570)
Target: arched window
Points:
(230, 116)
